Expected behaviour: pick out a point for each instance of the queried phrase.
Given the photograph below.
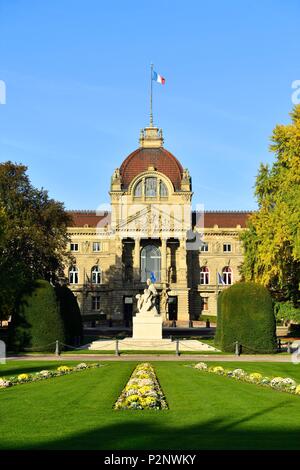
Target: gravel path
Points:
(156, 357)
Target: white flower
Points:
(44, 373)
(82, 365)
(238, 373)
(277, 382)
(201, 366)
(289, 382)
(5, 383)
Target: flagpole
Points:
(151, 114)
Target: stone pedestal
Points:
(147, 326)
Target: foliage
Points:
(245, 314)
(44, 374)
(211, 318)
(33, 235)
(279, 383)
(142, 391)
(272, 243)
(70, 314)
(286, 312)
(37, 324)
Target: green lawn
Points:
(206, 411)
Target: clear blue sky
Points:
(77, 77)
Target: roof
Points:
(159, 158)
(223, 219)
(89, 218)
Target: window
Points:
(227, 275)
(150, 263)
(204, 302)
(74, 246)
(96, 246)
(204, 246)
(73, 275)
(96, 302)
(204, 275)
(138, 190)
(226, 247)
(151, 187)
(96, 275)
(163, 191)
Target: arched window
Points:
(227, 275)
(150, 263)
(204, 275)
(163, 191)
(138, 190)
(73, 275)
(96, 275)
(151, 187)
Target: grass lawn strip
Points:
(24, 377)
(283, 384)
(206, 411)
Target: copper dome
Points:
(141, 159)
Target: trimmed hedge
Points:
(38, 321)
(211, 318)
(70, 314)
(245, 314)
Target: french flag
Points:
(158, 78)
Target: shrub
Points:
(38, 322)
(245, 314)
(70, 314)
(211, 318)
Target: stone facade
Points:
(151, 231)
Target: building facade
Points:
(152, 232)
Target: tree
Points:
(286, 312)
(35, 228)
(272, 241)
(245, 315)
(38, 323)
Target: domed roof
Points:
(141, 159)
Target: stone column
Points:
(181, 264)
(118, 261)
(137, 259)
(163, 260)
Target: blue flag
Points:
(221, 280)
(152, 277)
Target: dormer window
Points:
(150, 187)
(163, 191)
(138, 191)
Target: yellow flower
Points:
(143, 390)
(22, 377)
(150, 401)
(255, 377)
(218, 370)
(63, 369)
(297, 390)
(132, 398)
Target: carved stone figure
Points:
(116, 174)
(146, 301)
(164, 301)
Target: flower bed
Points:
(44, 374)
(142, 391)
(278, 383)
